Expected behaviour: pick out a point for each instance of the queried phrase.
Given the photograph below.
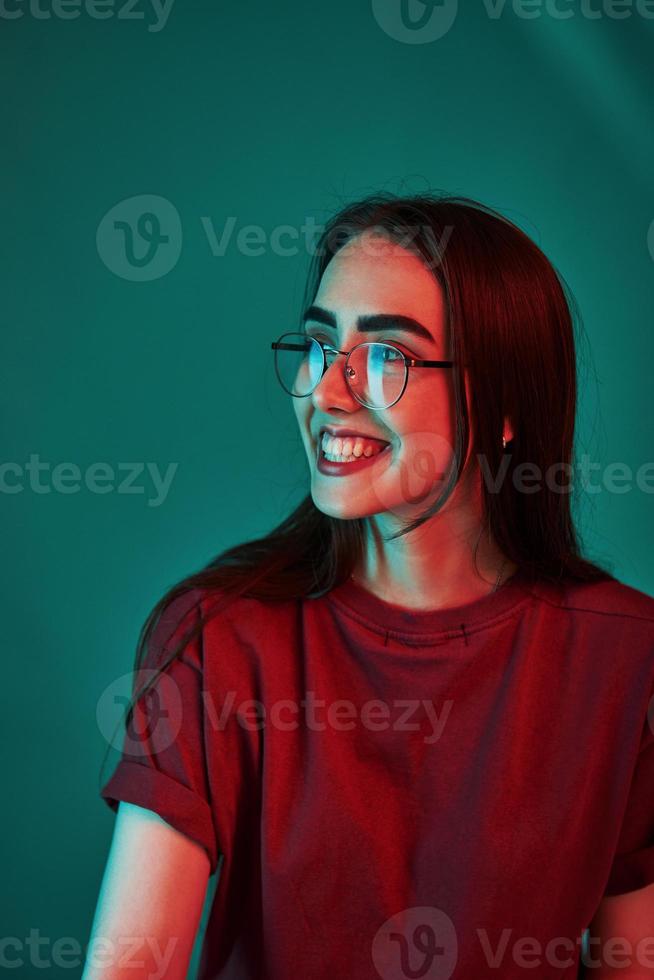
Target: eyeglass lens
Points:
(375, 372)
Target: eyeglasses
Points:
(376, 373)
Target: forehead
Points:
(371, 274)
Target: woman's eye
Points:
(391, 353)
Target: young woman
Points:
(410, 724)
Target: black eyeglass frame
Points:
(408, 362)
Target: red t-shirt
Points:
(394, 793)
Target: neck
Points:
(429, 571)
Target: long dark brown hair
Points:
(512, 321)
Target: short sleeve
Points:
(633, 864)
(163, 765)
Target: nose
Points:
(332, 391)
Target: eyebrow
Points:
(372, 323)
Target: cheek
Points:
(423, 444)
(416, 474)
(425, 453)
(420, 420)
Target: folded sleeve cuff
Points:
(175, 803)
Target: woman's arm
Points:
(624, 926)
(150, 901)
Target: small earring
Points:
(503, 442)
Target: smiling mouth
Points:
(335, 466)
(351, 458)
(332, 447)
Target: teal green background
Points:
(269, 114)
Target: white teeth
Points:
(349, 448)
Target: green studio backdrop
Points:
(143, 428)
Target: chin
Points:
(332, 509)
(343, 510)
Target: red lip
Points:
(341, 433)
